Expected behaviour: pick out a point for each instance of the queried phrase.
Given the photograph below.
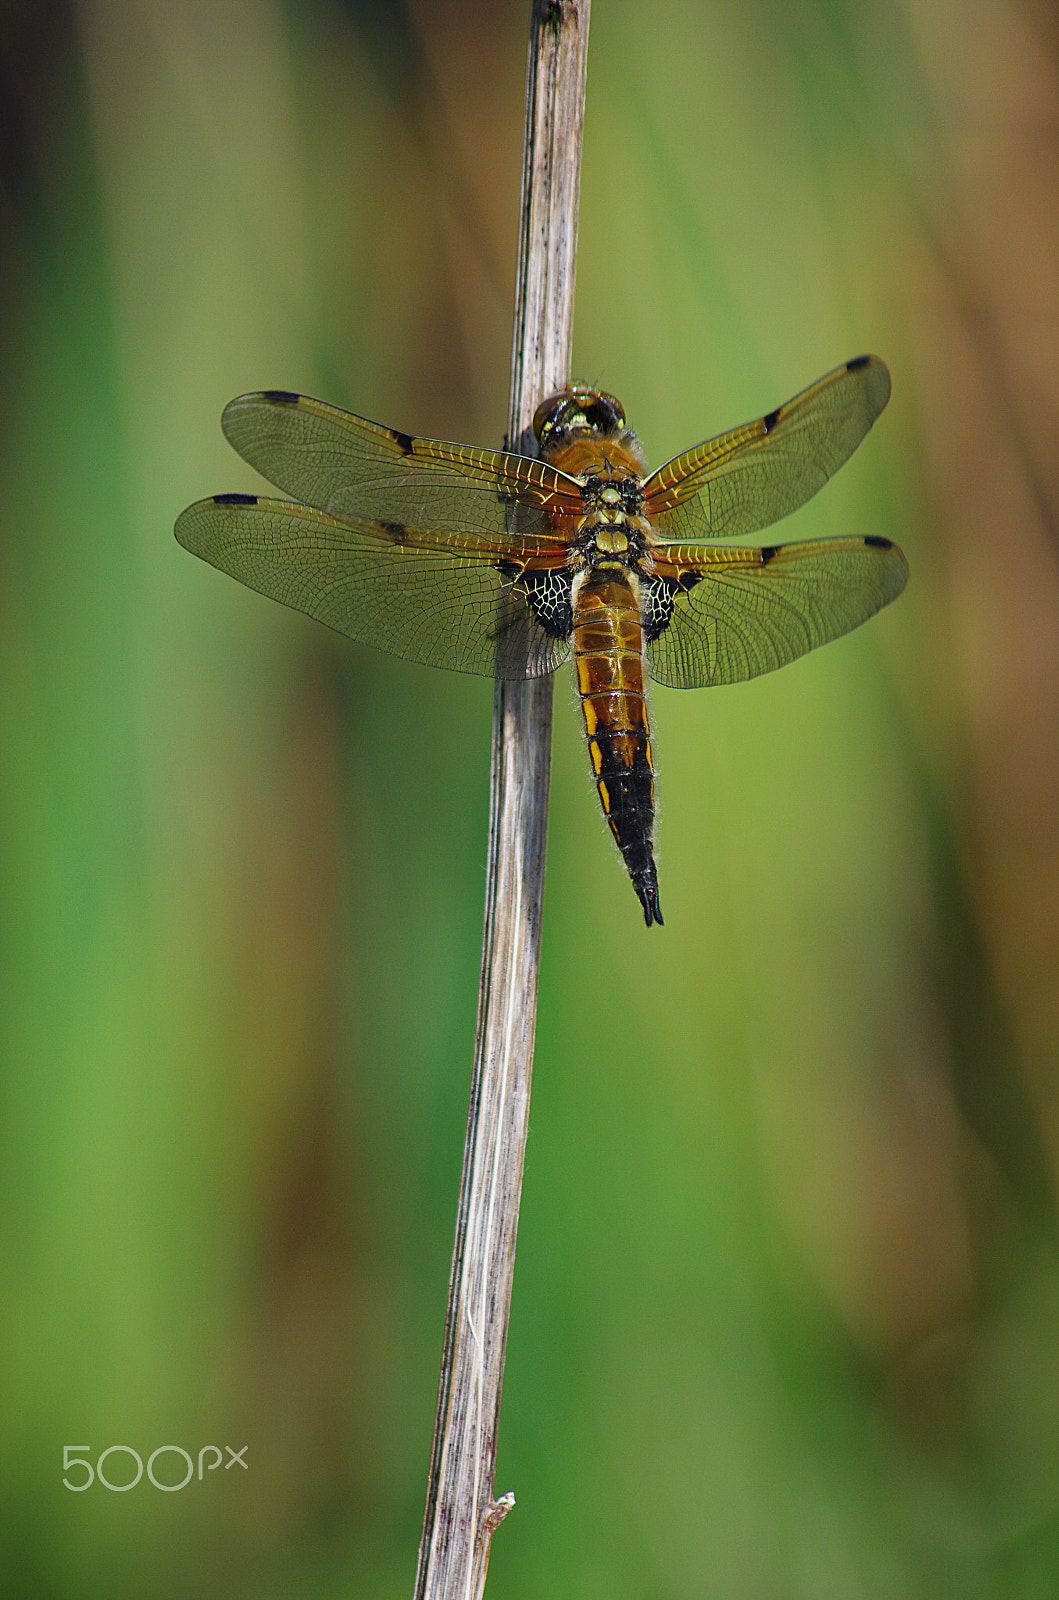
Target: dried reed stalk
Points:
(462, 1510)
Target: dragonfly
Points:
(502, 564)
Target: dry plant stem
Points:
(461, 1511)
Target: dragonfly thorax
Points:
(613, 498)
(614, 524)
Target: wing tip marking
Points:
(280, 397)
(234, 499)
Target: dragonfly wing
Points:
(349, 467)
(749, 478)
(438, 599)
(721, 616)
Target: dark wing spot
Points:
(508, 570)
(548, 594)
(282, 397)
(235, 499)
(857, 362)
(689, 579)
(769, 422)
(765, 555)
(403, 441)
(393, 530)
(656, 604)
(875, 541)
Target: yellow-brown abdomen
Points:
(608, 650)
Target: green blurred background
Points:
(786, 1318)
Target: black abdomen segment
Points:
(608, 649)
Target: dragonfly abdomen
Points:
(608, 650)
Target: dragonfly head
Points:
(573, 412)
